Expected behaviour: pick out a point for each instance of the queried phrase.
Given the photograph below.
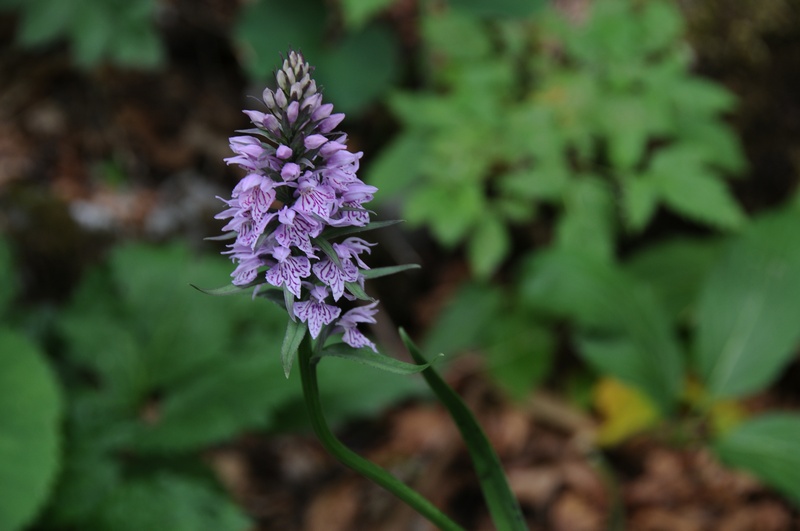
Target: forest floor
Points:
(132, 154)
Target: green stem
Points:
(308, 374)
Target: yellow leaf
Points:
(625, 411)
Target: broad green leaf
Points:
(397, 166)
(699, 97)
(466, 319)
(361, 69)
(43, 21)
(91, 32)
(30, 410)
(488, 246)
(675, 270)
(547, 181)
(587, 224)
(608, 303)
(295, 332)
(169, 501)
(456, 35)
(10, 285)
(662, 25)
(88, 476)
(451, 210)
(519, 353)
(747, 315)
(264, 29)
(499, 8)
(366, 356)
(767, 447)
(639, 202)
(238, 393)
(685, 184)
(357, 12)
(625, 122)
(716, 143)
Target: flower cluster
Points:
(301, 180)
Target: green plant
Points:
(343, 44)
(151, 378)
(604, 122)
(119, 31)
(30, 415)
(736, 301)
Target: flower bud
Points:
(280, 99)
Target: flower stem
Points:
(308, 374)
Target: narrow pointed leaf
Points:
(503, 506)
(230, 289)
(366, 356)
(326, 247)
(288, 300)
(347, 231)
(295, 332)
(227, 236)
(358, 291)
(386, 271)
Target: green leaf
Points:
(626, 123)
(747, 315)
(488, 246)
(357, 291)
(30, 410)
(239, 393)
(326, 247)
(466, 319)
(10, 285)
(499, 8)
(587, 222)
(295, 332)
(232, 289)
(767, 447)
(698, 97)
(379, 272)
(263, 29)
(687, 187)
(366, 356)
(503, 506)
(88, 476)
(397, 166)
(639, 202)
(347, 231)
(662, 25)
(606, 302)
(519, 353)
(456, 35)
(675, 270)
(44, 21)
(451, 209)
(169, 501)
(341, 70)
(357, 12)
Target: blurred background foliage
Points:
(598, 205)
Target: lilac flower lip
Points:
(301, 180)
